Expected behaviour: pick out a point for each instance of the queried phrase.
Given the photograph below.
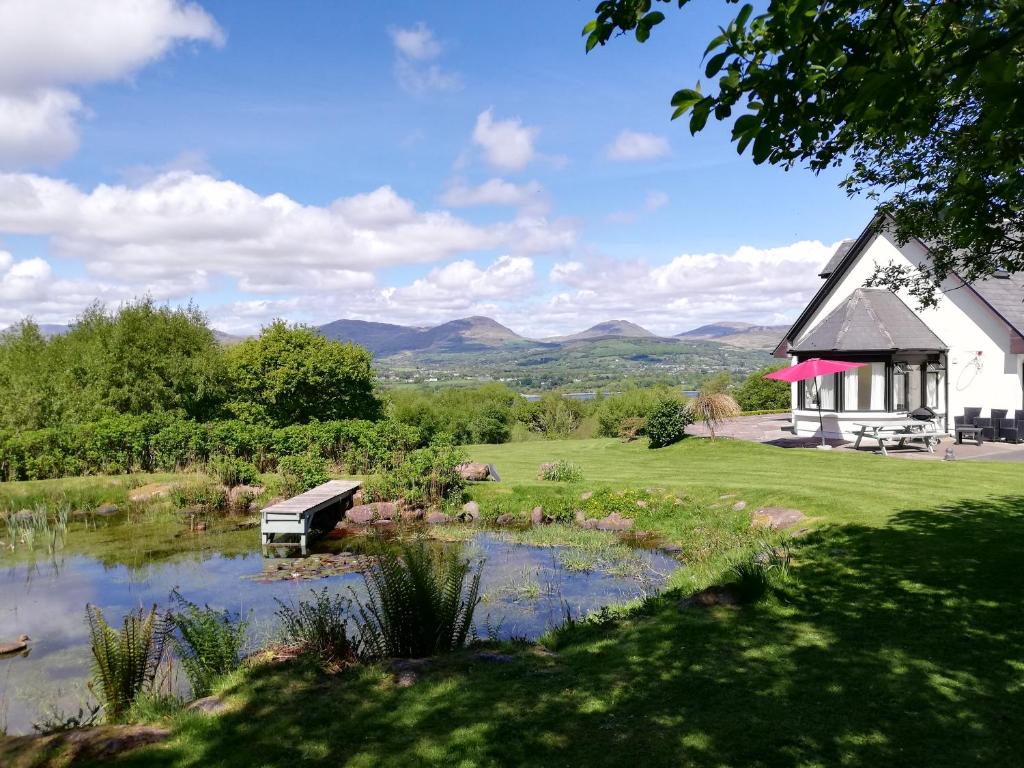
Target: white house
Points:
(966, 352)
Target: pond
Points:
(121, 566)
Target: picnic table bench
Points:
(899, 433)
(295, 515)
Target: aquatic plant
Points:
(26, 526)
(318, 627)
(419, 602)
(125, 662)
(208, 642)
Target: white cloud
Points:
(633, 145)
(173, 235)
(655, 200)
(416, 48)
(499, 192)
(46, 46)
(753, 284)
(506, 144)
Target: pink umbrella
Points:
(812, 369)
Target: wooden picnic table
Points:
(898, 432)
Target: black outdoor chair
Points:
(970, 414)
(998, 413)
(1011, 430)
(988, 429)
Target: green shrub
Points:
(757, 393)
(300, 473)
(319, 627)
(179, 444)
(125, 662)
(207, 642)
(666, 423)
(208, 495)
(560, 471)
(755, 577)
(419, 602)
(428, 477)
(614, 413)
(231, 472)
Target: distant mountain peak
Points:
(610, 329)
(737, 334)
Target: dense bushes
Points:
(667, 422)
(426, 478)
(757, 393)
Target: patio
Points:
(774, 429)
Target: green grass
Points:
(897, 639)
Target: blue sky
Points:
(401, 162)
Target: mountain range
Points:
(475, 334)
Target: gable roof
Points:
(870, 320)
(1003, 295)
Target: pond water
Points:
(526, 590)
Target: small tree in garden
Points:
(711, 410)
(666, 423)
(757, 393)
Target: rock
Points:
(386, 510)
(107, 741)
(776, 518)
(739, 506)
(506, 519)
(587, 495)
(709, 597)
(473, 471)
(614, 522)
(105, 510)
(437, 518)
(358, 498)
(361, 515)
(537, 516)
(15, 646)
(589, 524)
(411, 515)
(407, 671)
(470, 512)
(580, 517)
(208, 705)
(150, 491)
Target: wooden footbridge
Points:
(295, 515)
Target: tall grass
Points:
(125, 662)
(419, 602)
(318, 627)
(29, 527)
(208, 642)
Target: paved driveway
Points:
(774, 429)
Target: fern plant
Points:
(318, 627)
(125, 662)
(208, 642)
(418, 602)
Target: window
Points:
(934, 386)
(823, 387)
(900, 387)
(864, 388)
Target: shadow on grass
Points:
(890, 646)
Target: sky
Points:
(404, 162)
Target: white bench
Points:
(295, 515)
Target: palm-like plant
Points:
(125, 662)
(418, 602)
(712, 408)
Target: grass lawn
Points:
(897, 641)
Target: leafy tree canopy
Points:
(757, 393)
(293, 375)
(922, 102)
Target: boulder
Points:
(411, 515)
(506, 519)
(208, 705)
(739, 506)
(149, 492)
(777, 518)
(105, 510)
(361, 515)
(470, 512)
(614, 522)
(437, 518)
(590, 524)
(474, 471)
(537, 516)
(385, 510)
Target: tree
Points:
(757, 393)
(711, 409)
(26, 378)
(666, 423)
(922, 101)
(719, 382)
(293, 375)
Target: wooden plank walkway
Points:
(295, 515)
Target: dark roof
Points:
(870, 320)
(1006, 297)
(837, 257)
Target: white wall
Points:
(981, 370)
